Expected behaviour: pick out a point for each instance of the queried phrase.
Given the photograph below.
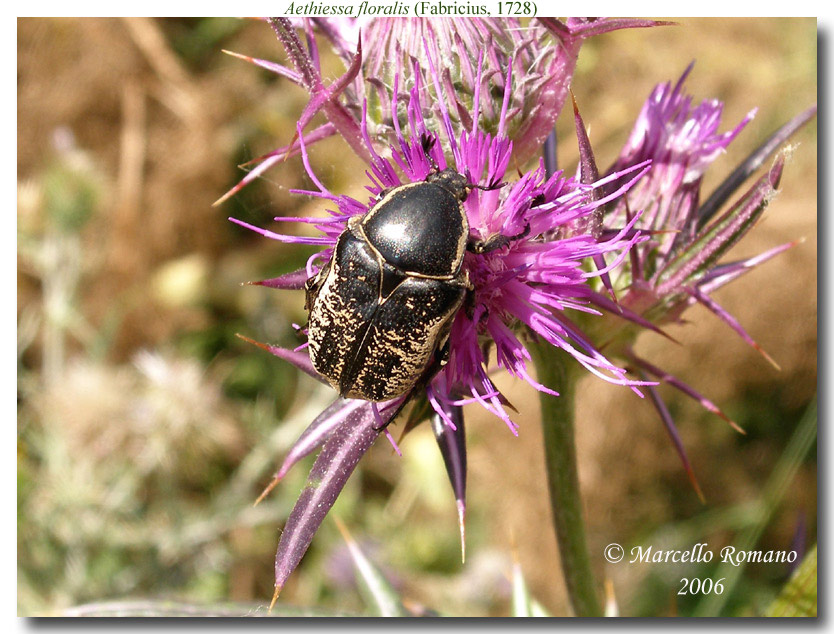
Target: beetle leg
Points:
(469, 304)
(494, 242)
(382, 194)
(469, 307)
(313, 285)
(427, 142)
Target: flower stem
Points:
(554, 370)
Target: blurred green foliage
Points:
(799, 596)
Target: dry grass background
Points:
(160, 117)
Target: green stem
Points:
(554, 370)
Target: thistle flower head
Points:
(682, 141)
(679, 265)
(542, 73)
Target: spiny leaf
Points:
(299, 359)
(452, 444)
(751, 164)
(693, 262)
(339, 412)
(334, 465)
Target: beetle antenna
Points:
(493, 185)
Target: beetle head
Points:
(451, 180)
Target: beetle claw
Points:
(494, 184)
(427, 142)
(495, 242)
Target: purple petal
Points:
(334, 465)
(324, 240)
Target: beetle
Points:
(381, 309)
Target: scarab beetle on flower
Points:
(381, 309)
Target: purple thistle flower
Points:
(532, 286)
(678, 265)
(682, 141)
(542, 54)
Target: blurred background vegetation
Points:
(146, 428)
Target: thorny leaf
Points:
(718, 197)
(452, 443)
(339, 412)
(695, 261)
(338, 458)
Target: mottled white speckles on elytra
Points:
(402, 354)
(329, 352)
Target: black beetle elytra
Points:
(381, 309)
